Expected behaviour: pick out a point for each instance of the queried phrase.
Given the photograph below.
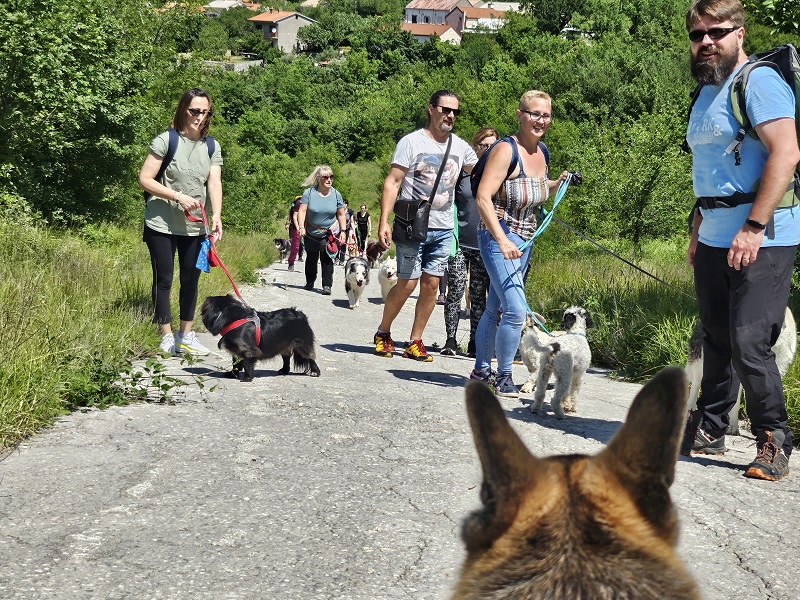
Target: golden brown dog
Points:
(578, 527)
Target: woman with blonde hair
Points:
(191, 180)
(507, 198)
(321, 210)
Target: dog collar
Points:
(231, 326)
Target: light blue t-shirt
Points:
(321, 210)
(712, 128)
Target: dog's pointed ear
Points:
(643, 453)
(508, 468)
(589, 322)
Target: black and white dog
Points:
(356, 278)
(283, 247)
(251, 336)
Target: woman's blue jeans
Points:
(506, 292)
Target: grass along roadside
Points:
(75, 311)
(641, 325)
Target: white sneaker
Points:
(188, 343)
(167, 343)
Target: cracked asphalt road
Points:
(349, 486)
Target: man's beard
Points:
(714, 72)
(445, 127)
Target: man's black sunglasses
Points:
(717, 33)
(446, 110)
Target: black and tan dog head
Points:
(568, 527)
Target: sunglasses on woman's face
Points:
(326, 177)
(197, 112)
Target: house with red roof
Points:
(423, 32)
(281, 27)
(471, 19)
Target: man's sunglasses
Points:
(446, 110)
(196, 112)
(717, 33)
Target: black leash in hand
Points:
(627, 262)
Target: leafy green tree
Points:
(212, 41)
(551, 15)
(71, 72)
(781, 16)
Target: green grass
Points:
(641, 325)
(75, 310)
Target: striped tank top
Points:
(516, 202)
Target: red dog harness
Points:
(254, 320)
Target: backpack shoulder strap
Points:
(514, 155)
(212, 145)
(546, 152)
(692, 99)
(172, 147)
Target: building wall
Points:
(435, 17)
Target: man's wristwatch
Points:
(756, 225)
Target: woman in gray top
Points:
(191, 180)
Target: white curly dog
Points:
(566, 356)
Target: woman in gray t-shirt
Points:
(191, 180)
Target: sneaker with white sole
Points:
(504, 386)
(167, 344)
(189, 344)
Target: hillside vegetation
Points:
(85, 85)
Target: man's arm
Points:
(780, 139)
(391, 188)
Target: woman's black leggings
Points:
(315, 254)
(162, 247)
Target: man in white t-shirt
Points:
(415, 164)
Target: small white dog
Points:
(387, 276)
(566, 356)
(784, 349)
(356, 278)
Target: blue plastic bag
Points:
(202, 258)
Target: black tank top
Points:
(362, 221)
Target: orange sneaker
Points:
(416, 350)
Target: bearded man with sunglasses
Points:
(743, 247)
(416, 161)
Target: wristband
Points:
(756, 225)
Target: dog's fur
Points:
(356, 278)
(373, 252)
(576, 526)
(284, 248)
(387, 276)
(785, 348)
(566, 356)
(284, 332)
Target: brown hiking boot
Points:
(771, 462)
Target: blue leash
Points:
(560, 192)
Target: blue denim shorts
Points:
(429, 256)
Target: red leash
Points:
(215, 261)
(213, 258)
